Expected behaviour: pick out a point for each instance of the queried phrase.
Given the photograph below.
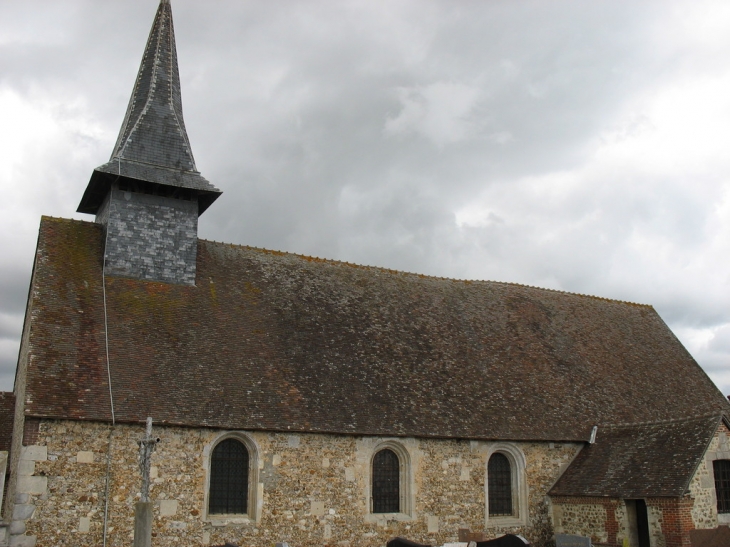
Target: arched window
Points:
(229, 477)
(499, 486)
(386, 482)
(722, 485)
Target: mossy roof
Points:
(276, 341)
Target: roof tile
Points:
(276, 341)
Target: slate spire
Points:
(153, 149)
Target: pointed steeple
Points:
(153, 149)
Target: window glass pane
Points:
(722, 485)
(386, 482)
(228, 478)
(499, 485)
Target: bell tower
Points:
(149, 195)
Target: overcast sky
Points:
(575, 145)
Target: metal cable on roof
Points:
(109, 378)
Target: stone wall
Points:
(587, 517)
(150, 237)
(312, 489)
(702, 486)
(608, 521)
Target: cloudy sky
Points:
(581, 146)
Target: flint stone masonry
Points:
(301, 501)
(581, 519)
(607, 520)
(702, 485)
(150, 237)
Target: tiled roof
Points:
(276, 341)
(153, 144)
(7, 416)
(638, 461)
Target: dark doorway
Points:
(642, 523)
(638, 523)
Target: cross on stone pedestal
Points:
(146, 447)
(143, 508)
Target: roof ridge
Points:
(336, 262)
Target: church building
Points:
(325, 403)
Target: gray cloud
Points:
(570, 145)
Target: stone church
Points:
(325, 403)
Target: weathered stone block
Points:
(168, 508)
(17, 527)
(34, 452)
(26, 467)
(84, 525)
(23, 511)
(33, 485)
(22, 541)
(85, 457)
(432, 523)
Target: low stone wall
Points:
(312, 489)
(607, 522)
(588, 517)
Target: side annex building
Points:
(325, 403)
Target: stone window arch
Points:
(389, 482)
(232, 491)
(505, 486)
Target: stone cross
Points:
(146, 447)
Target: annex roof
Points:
(276, 341)
(639, 461)
(153, 144)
